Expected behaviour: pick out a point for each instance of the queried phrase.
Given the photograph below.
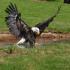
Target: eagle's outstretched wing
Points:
(14, 22)
(45, 24)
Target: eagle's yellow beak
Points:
(37, 33)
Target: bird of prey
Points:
(20, 29)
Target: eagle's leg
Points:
(32, 44)
(29, 44)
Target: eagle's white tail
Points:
(22, 40)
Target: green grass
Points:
(34, 12)
(53, 56)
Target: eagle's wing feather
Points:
(45, 24)
(13, 19)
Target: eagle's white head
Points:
(36, 30)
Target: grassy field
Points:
(53, 56)
(34, 12)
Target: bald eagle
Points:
(20, 29)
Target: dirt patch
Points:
(45, 37)
(7, 37)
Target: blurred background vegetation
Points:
(36, 11)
